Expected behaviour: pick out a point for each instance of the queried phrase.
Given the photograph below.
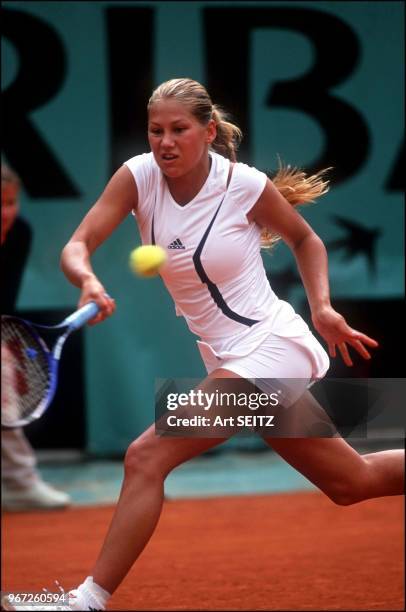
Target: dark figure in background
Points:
(21, 484)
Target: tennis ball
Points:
(147, 260)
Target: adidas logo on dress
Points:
(176, 244)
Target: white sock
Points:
(89, 587)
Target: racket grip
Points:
(82, 316)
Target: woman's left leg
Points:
(340, 471)
(330, 463)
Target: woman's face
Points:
(9, 207)
(177, 139)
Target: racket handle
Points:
(82, 316)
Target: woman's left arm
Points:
(273, 211)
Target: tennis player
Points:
(212, 214)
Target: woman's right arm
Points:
(116, 202)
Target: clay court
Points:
(286, 551)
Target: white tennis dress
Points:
(215, 273)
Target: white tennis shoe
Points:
(39, 496)
(79, 600)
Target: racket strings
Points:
(25, 373)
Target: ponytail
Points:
(228, 135)
(292, 183)
(298, 189)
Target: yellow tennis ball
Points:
(147, 260)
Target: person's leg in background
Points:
(22, 485)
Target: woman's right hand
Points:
(93, 291)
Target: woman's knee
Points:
(141, 459)
(350, 488)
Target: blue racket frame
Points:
(71, 323)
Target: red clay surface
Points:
(295, 551)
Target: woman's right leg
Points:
(148, 461)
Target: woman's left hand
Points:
(336, 331)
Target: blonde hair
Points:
(195, 96)
(293, 184)
(298, 189)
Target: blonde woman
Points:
(212, 215)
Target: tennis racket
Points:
(29, 368)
